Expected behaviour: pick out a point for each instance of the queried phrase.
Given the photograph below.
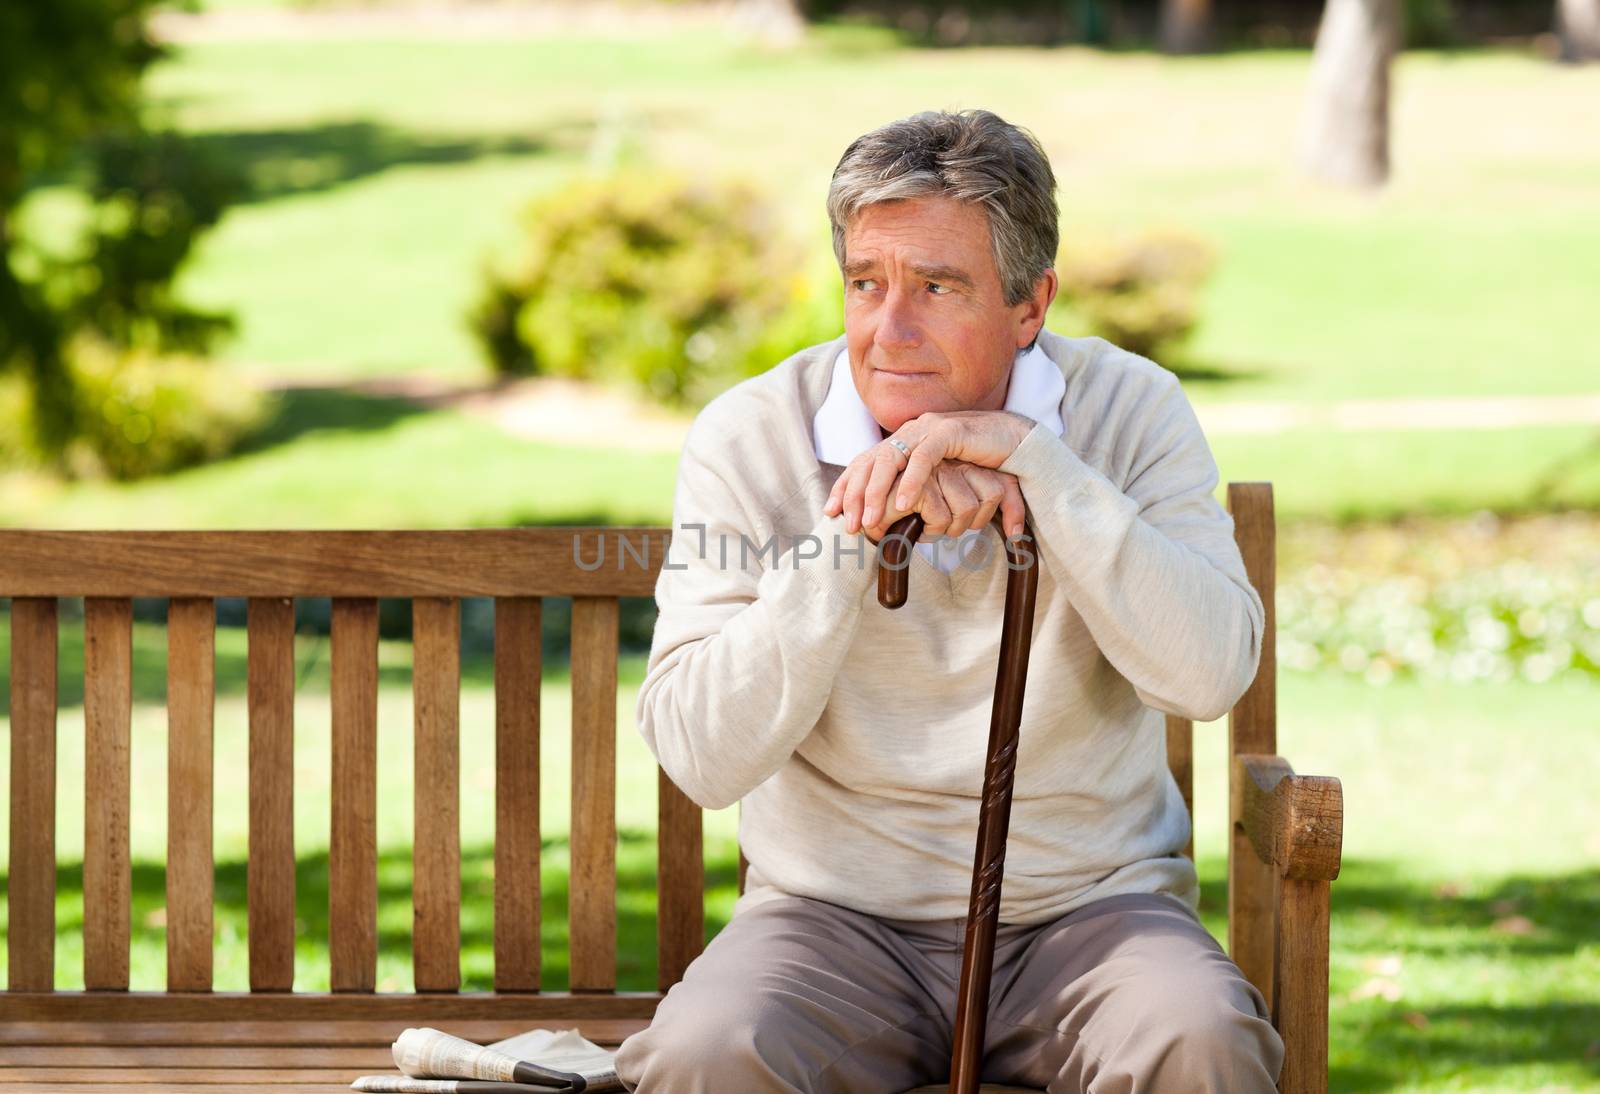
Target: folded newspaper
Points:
(540, 1061)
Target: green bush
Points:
(140, 414)
(154, 195)
(676, 286)
(1140, 294)
(72, 113)
(16, 416)
(1429, 24)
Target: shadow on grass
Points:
(1519, 927)
(304, 410)
(275, 163)
(1043, 28)
(280, 162)
(1203, 370)
(636, 910)
(1560, 910)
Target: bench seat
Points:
(295, 1056)
(310, 1057)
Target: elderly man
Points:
(855, 737)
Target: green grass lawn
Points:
(1463, 947)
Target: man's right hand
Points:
(958, 496)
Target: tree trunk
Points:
(776, 21)
(1578, 25)
(1185, 26)
(1346, 134)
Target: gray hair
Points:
(970, 155)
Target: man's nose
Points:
(897, 325)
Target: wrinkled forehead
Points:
(920, 234)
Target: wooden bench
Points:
(1284, 848)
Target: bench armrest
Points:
(1295, 823)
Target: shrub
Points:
(1140, 294)
(155, 194)
(679, 287)
(140, 414)
(16, 417)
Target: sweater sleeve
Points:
(744, 656)
(1154, 571)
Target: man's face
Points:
(925, 319)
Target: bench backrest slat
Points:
(191, 696)
(681, 881)
(436, 840)
(31, 932)
(592, 892)
(107, 709)
(517, 674)
(270, 879)
(1180, 761)
(1252, 727)
(353, 831)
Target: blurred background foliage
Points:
(679, 287)
(71, 113)
(1142, 294)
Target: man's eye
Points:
(865, 284)
(942, 289)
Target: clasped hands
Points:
(951, 476)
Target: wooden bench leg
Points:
(1300, 984)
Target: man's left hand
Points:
(984, 438)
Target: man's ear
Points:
(1029, 314)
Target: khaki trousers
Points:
(1126, 994)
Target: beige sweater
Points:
(855, 736)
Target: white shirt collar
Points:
(843, 426)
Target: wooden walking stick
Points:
(994, 810)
